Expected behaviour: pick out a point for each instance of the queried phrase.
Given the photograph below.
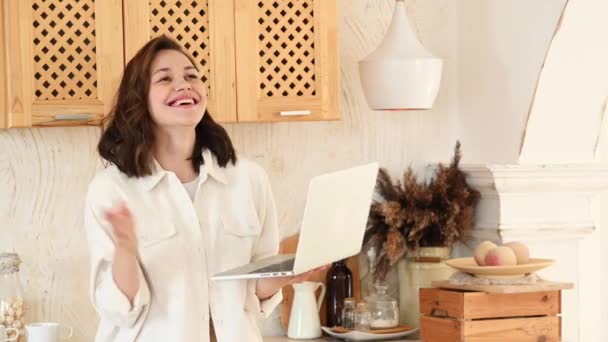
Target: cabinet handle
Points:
(72, 117)
(296, 112)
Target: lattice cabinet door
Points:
(287, 60)
(64, 60)
(205, 29)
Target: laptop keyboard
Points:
(284, 266)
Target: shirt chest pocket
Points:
(239, 233)
(153, 230)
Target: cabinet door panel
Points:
(64, 60)
(205, 29)
(287, 60)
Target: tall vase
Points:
(419, 270)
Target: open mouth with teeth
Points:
(183, 102)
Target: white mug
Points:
(46, 332)
(4, 334)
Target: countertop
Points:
(323, 339)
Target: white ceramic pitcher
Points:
(304, 321)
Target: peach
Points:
(501, 256)
(522, 253)
(481, 251)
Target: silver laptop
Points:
(332, 228)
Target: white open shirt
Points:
(231, 222)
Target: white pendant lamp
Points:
(401, 74)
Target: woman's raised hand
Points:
(123, 227)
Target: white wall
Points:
(570, 103)
(602, 258)
(502, 46)
(603, 263)
(602, 156)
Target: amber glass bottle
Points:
(339, 286)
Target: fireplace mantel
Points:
(555, 210)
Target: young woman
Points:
(173, 207)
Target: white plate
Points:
(468, 265)
(363, 336)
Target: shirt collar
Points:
(209, 167)
(212, 168)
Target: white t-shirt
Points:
(191, 188)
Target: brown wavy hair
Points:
(128, 137)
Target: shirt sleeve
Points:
(266, 246)
(109, 301)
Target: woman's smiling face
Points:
(177, 95)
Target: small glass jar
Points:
(12, 304)
(362, 317)
(384, 309)
(348, 313)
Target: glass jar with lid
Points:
(384, 310)
(362, 317)
(12, 303)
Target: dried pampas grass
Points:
(414, 214)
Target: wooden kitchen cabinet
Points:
(63, 59)
(262, 60)
(287, 60)
(205, 28)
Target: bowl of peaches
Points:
(511, 260)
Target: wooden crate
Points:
(465, 316)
